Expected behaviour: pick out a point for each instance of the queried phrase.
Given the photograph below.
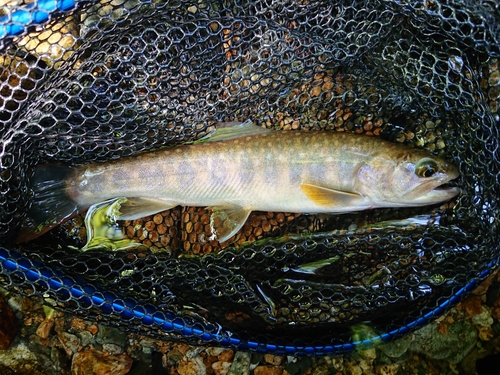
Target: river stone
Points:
(8, 325)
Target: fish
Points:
(241, 168)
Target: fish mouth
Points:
(437, 190)
(440, 194)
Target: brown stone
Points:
(226, 356)
(93, 329)
(483, 287)
(93, 362)
(45, 327)
(8, 325)
(78, 325)
(273, 359)
(472, 305)
(268, 370)
(221, 368)
(192, 366)
(443, 328)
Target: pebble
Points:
(112, 348)
(192, 366)
(494, 78)
(110, 335)
(20, 359)
(85, 338)
(221, 368)
(70, 342)
(268, 370)
(391, 369)
(352, 368)
(396, 348)
(241, 364)
(273, 359)
(45, 327)
(321, 370)
(453, 346)
(8, 325)
(93, 362)
(484, 318)
(226, 356)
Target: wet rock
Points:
(214, 351)
(70, 342)
(396, 348)
(93, 362)
(8, 325)
(192, 366)
(43, 330)
(85, 338)
(112, 349)
(110, 335)
(272, 359)
(391, 369)
(453, 346)
(226, 356)
(299, 366)
(484, 318)
(321, 370)
(241, 364)
(268, 370)
(352, 368)
(221, 368)
(471, 305)
(24, 361)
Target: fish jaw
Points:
(432, 190)
(436, 196)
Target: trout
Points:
(243, 168)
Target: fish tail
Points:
(51, 202)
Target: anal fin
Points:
(326, 197)
(136, 208)
(226, 220)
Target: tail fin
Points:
(51, 203)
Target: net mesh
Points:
(115, 78)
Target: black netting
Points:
(115, 78)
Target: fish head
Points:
(412, 178)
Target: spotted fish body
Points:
(282, 171)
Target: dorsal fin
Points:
(232, 130)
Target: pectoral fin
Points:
(135, 208)
(330, 198)
(225, 221)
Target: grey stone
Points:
(452, 346)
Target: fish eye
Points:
(426, 168)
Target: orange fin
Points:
(325, 197)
